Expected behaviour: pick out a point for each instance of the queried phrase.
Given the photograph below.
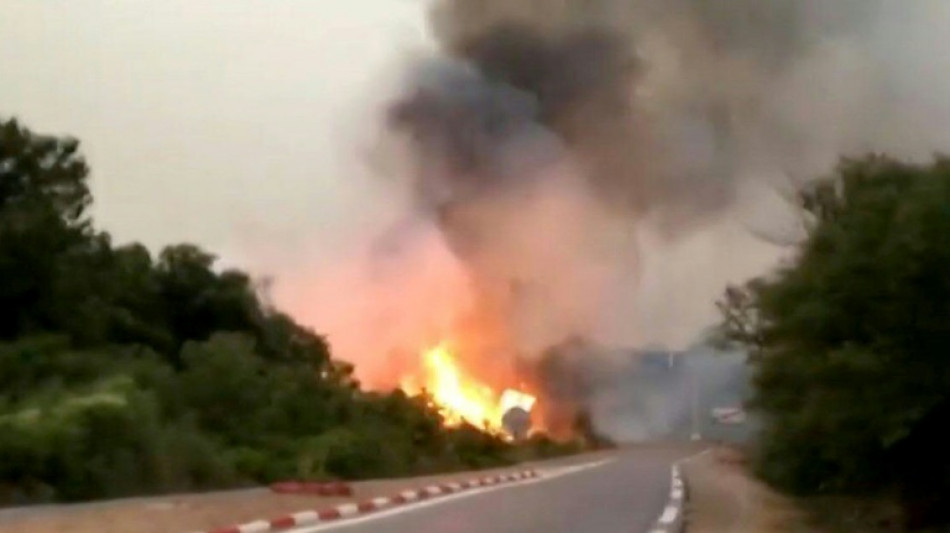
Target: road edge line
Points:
(673, 517)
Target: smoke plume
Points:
(593, 167)
(546, 134)
(546, 131)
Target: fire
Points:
(462, 398)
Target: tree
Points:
(42, 171)
(849, 340)
(43, 201)
(197, 302)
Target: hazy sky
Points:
(214, 121)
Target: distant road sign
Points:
(729, 415)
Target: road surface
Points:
(624, 495)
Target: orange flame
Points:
(461, 398)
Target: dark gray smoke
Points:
(507, 101)
(522, 82)
(475, 137)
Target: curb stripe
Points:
(283, 522)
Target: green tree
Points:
(849, 340)
(42, 171)
(43, 201)
(198, 301)
(222, 377)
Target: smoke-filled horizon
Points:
(806, 80)
(602, 169)
(543, 137)
(615, 209)
(547, 150)
(531, 152)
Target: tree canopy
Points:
(850, 338)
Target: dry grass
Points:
(724, 498)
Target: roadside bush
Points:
(477, 449)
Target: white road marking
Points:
(669, 514)
(672, 510)
(542, 477)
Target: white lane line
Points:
(669, 515)
(542, 477)
(677, 494)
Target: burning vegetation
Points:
(460, 397)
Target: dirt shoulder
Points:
(724, 498)
(197, 512)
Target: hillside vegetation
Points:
(126, 373)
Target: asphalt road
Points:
(625, 495)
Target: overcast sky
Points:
(213, 121)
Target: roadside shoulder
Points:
(724, 498)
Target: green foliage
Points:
(43, 198)
(849, 340)
(104, 439)
(125, 374)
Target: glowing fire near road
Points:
(462, 398)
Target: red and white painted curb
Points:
(308, 518)
(672, 519)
